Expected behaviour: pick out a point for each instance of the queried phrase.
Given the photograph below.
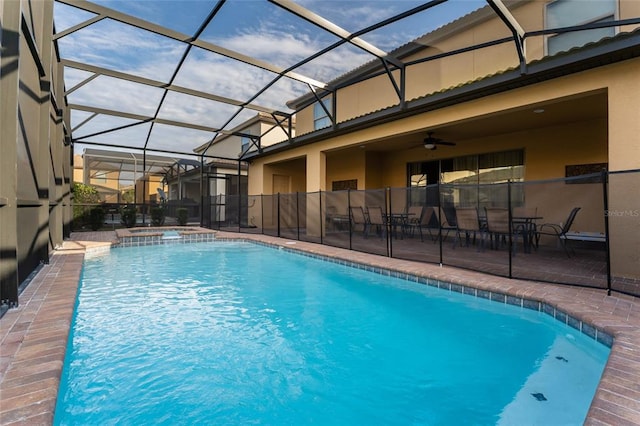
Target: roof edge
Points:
(614, 50)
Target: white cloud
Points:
(134, 137)
(116, 46)
(172, 138)
(119, 95)
(123, 48)
(191, 109)
(98, 123)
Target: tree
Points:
(128, 196)
(82, 195)
(85, 194)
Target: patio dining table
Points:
(398, 219)
(527, 227)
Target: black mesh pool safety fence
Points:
(579, 230)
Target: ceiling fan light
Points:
(430, 146)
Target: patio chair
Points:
(442, 224)
(468, 223)
(414, 216)
(558, 231)
(334, 220)
(377, 219)
(498, 227)
(418, 217)
(358, 218)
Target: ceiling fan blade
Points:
(430, 141)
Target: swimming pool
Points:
(234, 333)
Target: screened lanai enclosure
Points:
(158, 101)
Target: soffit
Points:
(555, 112)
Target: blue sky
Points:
(255, 28)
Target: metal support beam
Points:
(279, 122)
(175, 35)
(516, 29)
(82, 83)
(334, 29)
(141, 118)
(185, 54)
(161, 151)
(126, 126)
(330, 114)
(85, 121)
(79, 26)
(162, 85)
(399, 91)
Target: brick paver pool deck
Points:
(33, 336)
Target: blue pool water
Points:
(235, 333)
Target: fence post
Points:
(441, 216)
(604, 177)
(298, 215)
(349, 214)
(278, 214)
(387, 225)
(510, 228)
(321, 218)
(262, 213)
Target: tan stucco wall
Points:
(147, 188)
(346, 167)
(444, 73)
(230, 146)
(368, 96)
(376, 171)
(78, 170)
(294, 169)
(547, 150)
(569, 143)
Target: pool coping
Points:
(34, 335)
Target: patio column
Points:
(624, 154)
(316, 171)
(316, 181)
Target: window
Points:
(342, 185)
(567, 13)
(320, 117)
(469, 180)
(246, 143)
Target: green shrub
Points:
(96, 218)
(128, 216)
(182, 216)
(157, 216)
(82, 196)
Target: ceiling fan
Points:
(431, 142)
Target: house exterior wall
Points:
(304, 121)
(612, 139)
(366, 97)
(146, 189)
(438, 75)
(230, 146)
(608, 137)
